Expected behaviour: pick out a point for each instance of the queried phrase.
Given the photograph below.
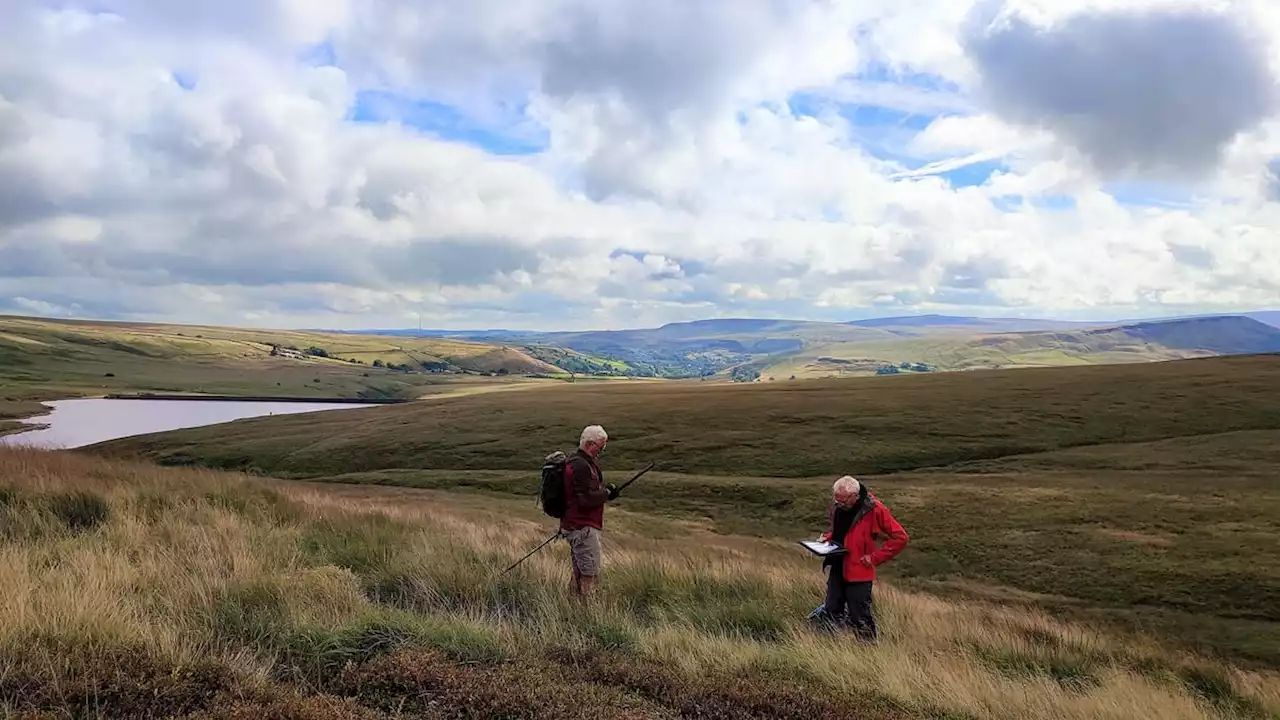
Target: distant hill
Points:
(750, 348)
(1271, 318)
(89, 356)
(1217, 336)
(1138, 342)
(688, 349)
(912, 324)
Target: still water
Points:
(84, 421)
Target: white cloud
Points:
(171, 162)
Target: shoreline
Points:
(9, 428)
(20, 423)
(256, 398)
(14, 415)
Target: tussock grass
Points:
(128, 589)
(1139, 495)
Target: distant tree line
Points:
(903, 367)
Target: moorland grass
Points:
(1142, 496)
(1192, 558)
(206, 594)
(781, 429)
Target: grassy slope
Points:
(957, 348)
(227, 343)
(824, 349)
(138, 591)
(748, 332)
(948, 349)
(874, 425)
(1088, 490)
(40, 359)
(1125, 548)
(954, 353)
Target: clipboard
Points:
(822, 549)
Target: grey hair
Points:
(846, 485)
(592, 433)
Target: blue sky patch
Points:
(1009, 203)
(434, 118)
(320, 55)
(1141, 193)
(443, 121)
(881, 73)
(878, 116)
(977, 173)
(884, 131)
(1054, 202)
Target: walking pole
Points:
(531, 552)
(557, 532)
(636, 477)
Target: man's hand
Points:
(866, 561)
(613, 491)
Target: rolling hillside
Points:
(938, 324)
(690, 349)
(40, 357)
(749, 349)
(802, 429)
(1136, 343)
(1135, 495)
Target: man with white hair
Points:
(585, 496)
(864, 527)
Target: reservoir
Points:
(85, 421)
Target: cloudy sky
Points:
(621, 163)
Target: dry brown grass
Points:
(211, 592)
(1162, 540)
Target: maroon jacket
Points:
(584, 492)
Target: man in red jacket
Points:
(585, 496)
(863, 525)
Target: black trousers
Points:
(851, 601)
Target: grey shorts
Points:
(584, 544)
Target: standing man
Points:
(585, 496)
(863, 525)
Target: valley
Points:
(65, 358)
(762, 349)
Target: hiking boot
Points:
(824, 621)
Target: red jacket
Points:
(584, 493)
(876, 533)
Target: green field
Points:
(45, 359)
(1138, 496)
